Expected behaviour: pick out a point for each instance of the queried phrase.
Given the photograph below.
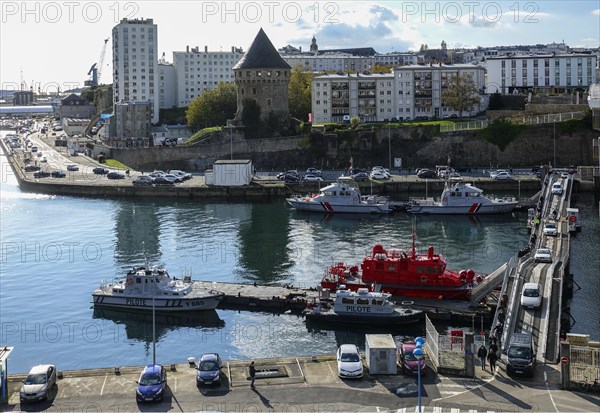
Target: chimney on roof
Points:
(205, 49)
(232, 49)
(187, 49)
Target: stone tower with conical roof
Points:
(263, 76)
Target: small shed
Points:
(232, 172)
(380, 353)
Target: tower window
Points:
(254, 91)
(268, 102)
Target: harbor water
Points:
(55, 251)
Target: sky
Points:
(50, 43)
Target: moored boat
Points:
(461, 198)
(342, 196)
(362, 307)
(399, 273)
(145, 288)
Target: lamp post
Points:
(390, 146)
(153, 334)
(419, 353)
(554, 141)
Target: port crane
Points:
(96, 69)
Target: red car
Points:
(408, 361)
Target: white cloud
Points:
(596, 12)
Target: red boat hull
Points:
(401, 274)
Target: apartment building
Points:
(197, 71)
(135, 63)
(408, 92)
(551, 73)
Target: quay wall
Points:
(419, 146)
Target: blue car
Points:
(152, 383)
(209, 369)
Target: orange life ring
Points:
(445, 199)
(573, 218)
(129, 281)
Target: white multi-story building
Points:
(337, 62)
(406, 93)
(548, 72)
(197, 71)
(166, 85)
(396, 59)
(135, 62)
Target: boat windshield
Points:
(150, 379)
(36, 379)
(350, 357)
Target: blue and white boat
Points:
(145, 288)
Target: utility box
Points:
(380, 353)
(232, 172)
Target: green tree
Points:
(251, 118)
(212, 107)
(354, 122)
(299, 97)
(379, 68)
(460, 94)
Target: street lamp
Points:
(419, 354)
(390, 146)
(153, 333)
(554, 127)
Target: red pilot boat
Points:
(398, 273)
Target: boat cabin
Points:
(362, 302)
(459, 192)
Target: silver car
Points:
(543, 255)
(38, 383)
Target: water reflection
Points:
(138, 324)
(137, 228)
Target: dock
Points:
(279, 299)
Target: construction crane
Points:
(96, 69)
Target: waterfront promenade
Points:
(309, 385)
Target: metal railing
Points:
(523, 120)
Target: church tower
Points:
(313, 46)
(263, 76)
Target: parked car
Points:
(313, 171)
(543, 255)
(44, 159)
(161, 180)
(38, 383)
(426, 173)
(349, 362)
(174, 178)
(34, 149)
(360, 176)
(115, 175)
(72, 167)
(550, 230)
(151, 384)
(182, 174)
(58, 174)
(531, 295)
(502, 175)
(143, 180)
(100, 170)
(312, 178)
(494, 173)
(291, 178)
(156, 174)
(378, 175)
(41, 174)
(557, 188)
(294, 172)
(32, 168)
(209, 369)
(408, 361)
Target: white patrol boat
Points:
(148, 287)
(362, 307)
(461, 198)
(342, 196)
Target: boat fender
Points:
(129, 281)
(307, 199)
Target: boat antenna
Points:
(146, 263)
